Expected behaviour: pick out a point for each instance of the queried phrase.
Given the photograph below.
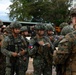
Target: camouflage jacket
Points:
(43, 52)
(66, 53)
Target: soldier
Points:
(2, 61)
(2, 57)
(64, 31)
(13, 48)
(24, 33)
(1, 24)
(62, 25)
(40, 50)
(73, 17)
(50, 32)
(65, 54)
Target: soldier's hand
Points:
(22, 52)
(41, 43)
(14, 54)
(51, 38)
(48, 44)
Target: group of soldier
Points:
(46, 48)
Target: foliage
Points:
(55, 11)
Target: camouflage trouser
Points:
(11, 71)
(2, 69)
(59, 69)
(26, 65)
(2, 64)
(47, 70)
(15, 68)
(41, 68)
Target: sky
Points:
(4, 4)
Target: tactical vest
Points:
(44, 51)
(15, 45)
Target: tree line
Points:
(54, 11)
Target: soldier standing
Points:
(40, 50)
(60, 67)
(50, 32)
(14, 50)
(1, 24)
(2, 61)
(24, 34)
(73, 17)
(2, 57)
(66, 54)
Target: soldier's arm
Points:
(49, 43)
(63, 51)
(4, 47)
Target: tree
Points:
(19, 10)
(55, 11)
(59, 11)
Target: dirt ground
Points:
(30, 67)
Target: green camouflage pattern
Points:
(18, 63)
(49, 27)
(2, 63)
(15, 24)
(42, 63)
(39, 27)
(62, 25)
(24, 28)
(66, 30)
(27, 54)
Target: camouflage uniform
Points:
(41, 54)
(66, 54)
(25, 29)
(67, 29)
(64, 31)
(73, 17)
(2, 61)
(62, 25)
(2, 57)
(50, 34)
(12, 48)
(1, 24)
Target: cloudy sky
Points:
(4, 4)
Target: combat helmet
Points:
(49, 27)
(1, 23)
(73, 12)
(39, 27)
(66, 30)
(62, 25)
(24, 28)
(15, 24)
